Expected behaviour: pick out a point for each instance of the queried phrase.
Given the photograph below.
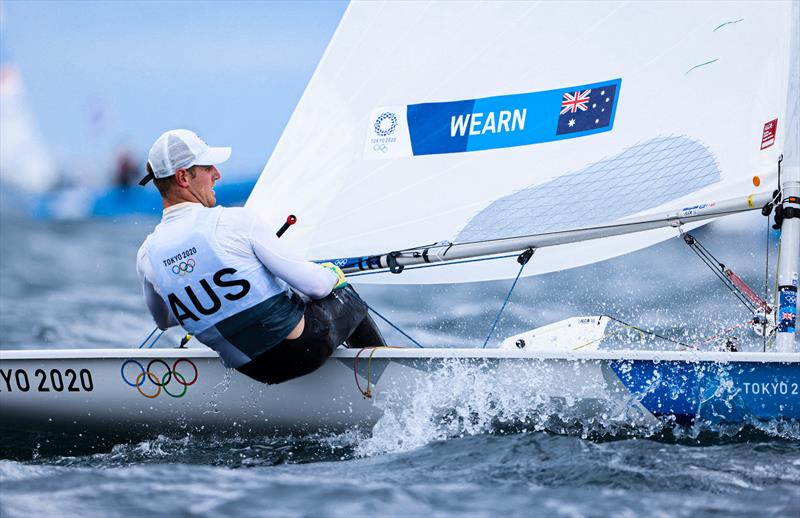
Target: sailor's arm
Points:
(306, 277)
(158, 309)
(155, 304)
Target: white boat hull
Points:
(135, 392)
(109, 390)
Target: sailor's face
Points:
(202, 184)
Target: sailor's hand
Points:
(339, 273)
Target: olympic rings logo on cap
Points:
(184, 267)
(161, 378)
(380, 147)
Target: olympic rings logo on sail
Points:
(150, 381)
(380, 147)
(380, 128)
(184, 267)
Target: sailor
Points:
(224, 276)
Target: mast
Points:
(789, 260)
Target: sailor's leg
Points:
(346, 320)
(288, 360)
(366, 334)
(294, 358)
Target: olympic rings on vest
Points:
(150, 377)
(184, 267)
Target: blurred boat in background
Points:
(32, 183)
(25, 163)
(81, 202)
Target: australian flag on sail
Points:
(586, 109)
(495, 122)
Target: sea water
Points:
(73, 285)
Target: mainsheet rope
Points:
(387, 321)
(523, 260)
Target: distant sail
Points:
(24, 160)
(467, 121)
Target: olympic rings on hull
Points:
(150, 381)
(184, 267)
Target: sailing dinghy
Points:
(457, 142)
(26, 164)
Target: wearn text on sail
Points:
(504, 121)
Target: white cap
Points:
(181, 149)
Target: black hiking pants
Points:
(339, 318)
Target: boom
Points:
(445, 251)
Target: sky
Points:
(102, 75)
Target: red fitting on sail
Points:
(747, 291)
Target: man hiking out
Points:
(223, 276)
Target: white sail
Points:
(24, 160)
(472, 121)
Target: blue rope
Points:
(499, 313)
(156, 340)
(386, 320)
(150, 335)
(394, 326)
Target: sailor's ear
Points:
(181, 177)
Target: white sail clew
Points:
(469, 122)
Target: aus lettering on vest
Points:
(182, 311)
(504, 121)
